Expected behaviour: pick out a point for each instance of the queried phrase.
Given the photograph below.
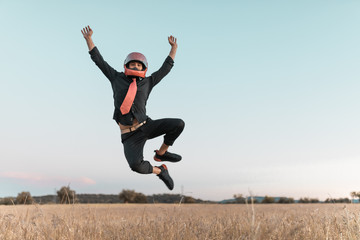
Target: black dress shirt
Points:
(120, 84)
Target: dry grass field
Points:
(173, 221)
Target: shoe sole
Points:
(157, 159)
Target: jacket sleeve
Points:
(108, 71)
(163, 71)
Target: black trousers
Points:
(134, 142)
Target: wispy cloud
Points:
(41, 179)
(87, 181)
(21, 176)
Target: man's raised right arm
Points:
(108, 71)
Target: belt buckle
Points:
(132, 129)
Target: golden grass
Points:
(173, 221)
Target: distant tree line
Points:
(238, 198)
(339, 200)
(68, 196)
(130, 196)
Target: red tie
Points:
(129, 98)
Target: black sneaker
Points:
(165, 177)
(167, 156)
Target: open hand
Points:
(172, 41)
(87, 32)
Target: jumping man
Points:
(131, 90)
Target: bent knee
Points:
(143, 168)
(180, 124)
(135, 167)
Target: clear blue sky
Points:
(269, 91)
